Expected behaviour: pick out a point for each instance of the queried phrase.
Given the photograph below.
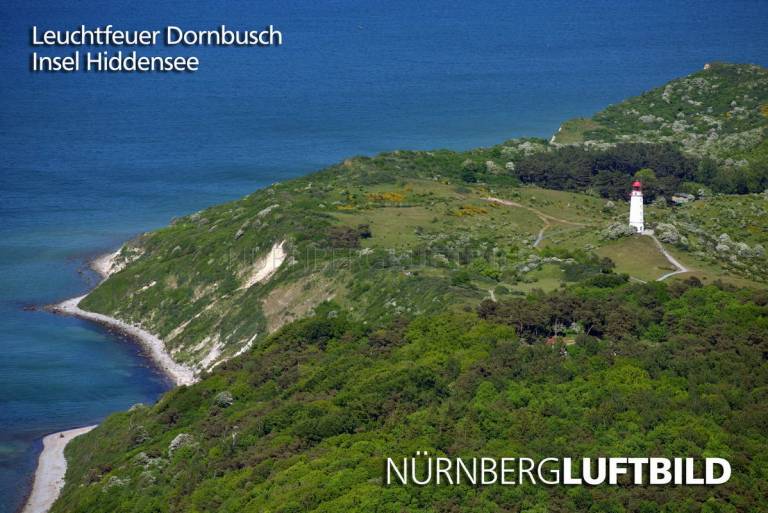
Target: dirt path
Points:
(545, 218)
(672, 260)
(540, 236)
(548, 219)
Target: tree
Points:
(647, 177)
(469, 175)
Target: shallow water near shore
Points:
(89, 160)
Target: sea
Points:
(88, 160)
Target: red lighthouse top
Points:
(637, 185)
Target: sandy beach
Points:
(51, 468)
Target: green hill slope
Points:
(407, 233)
(383, 236)
(445, 301)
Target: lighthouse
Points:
(636, 207)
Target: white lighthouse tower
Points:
(636, 207)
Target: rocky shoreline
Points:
(180, 374)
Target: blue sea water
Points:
(88, 160)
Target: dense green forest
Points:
(663, 168)
(482, 303)
(304, 422)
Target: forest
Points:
(600, 368)
(663, 168)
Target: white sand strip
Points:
(179, 373)
(51, 468)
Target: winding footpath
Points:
(545, 218)
(540, 236)
(680, 268)
(548, 219)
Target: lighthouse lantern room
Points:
(636, 207)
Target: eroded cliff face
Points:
(199, 284)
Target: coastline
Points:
(52, 465)
(180, 374)
(51, 469)
(106, 265)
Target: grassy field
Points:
(637, 256)
(708, 272)
(548, 277)
(434, 240)
(423, 210)
(406, 216)
(569, 206)
(572, 131)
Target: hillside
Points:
(383, 236)
(425, 244)
(719, 111)
(488, 302)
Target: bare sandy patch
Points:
(294, 300)
(266, 266)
